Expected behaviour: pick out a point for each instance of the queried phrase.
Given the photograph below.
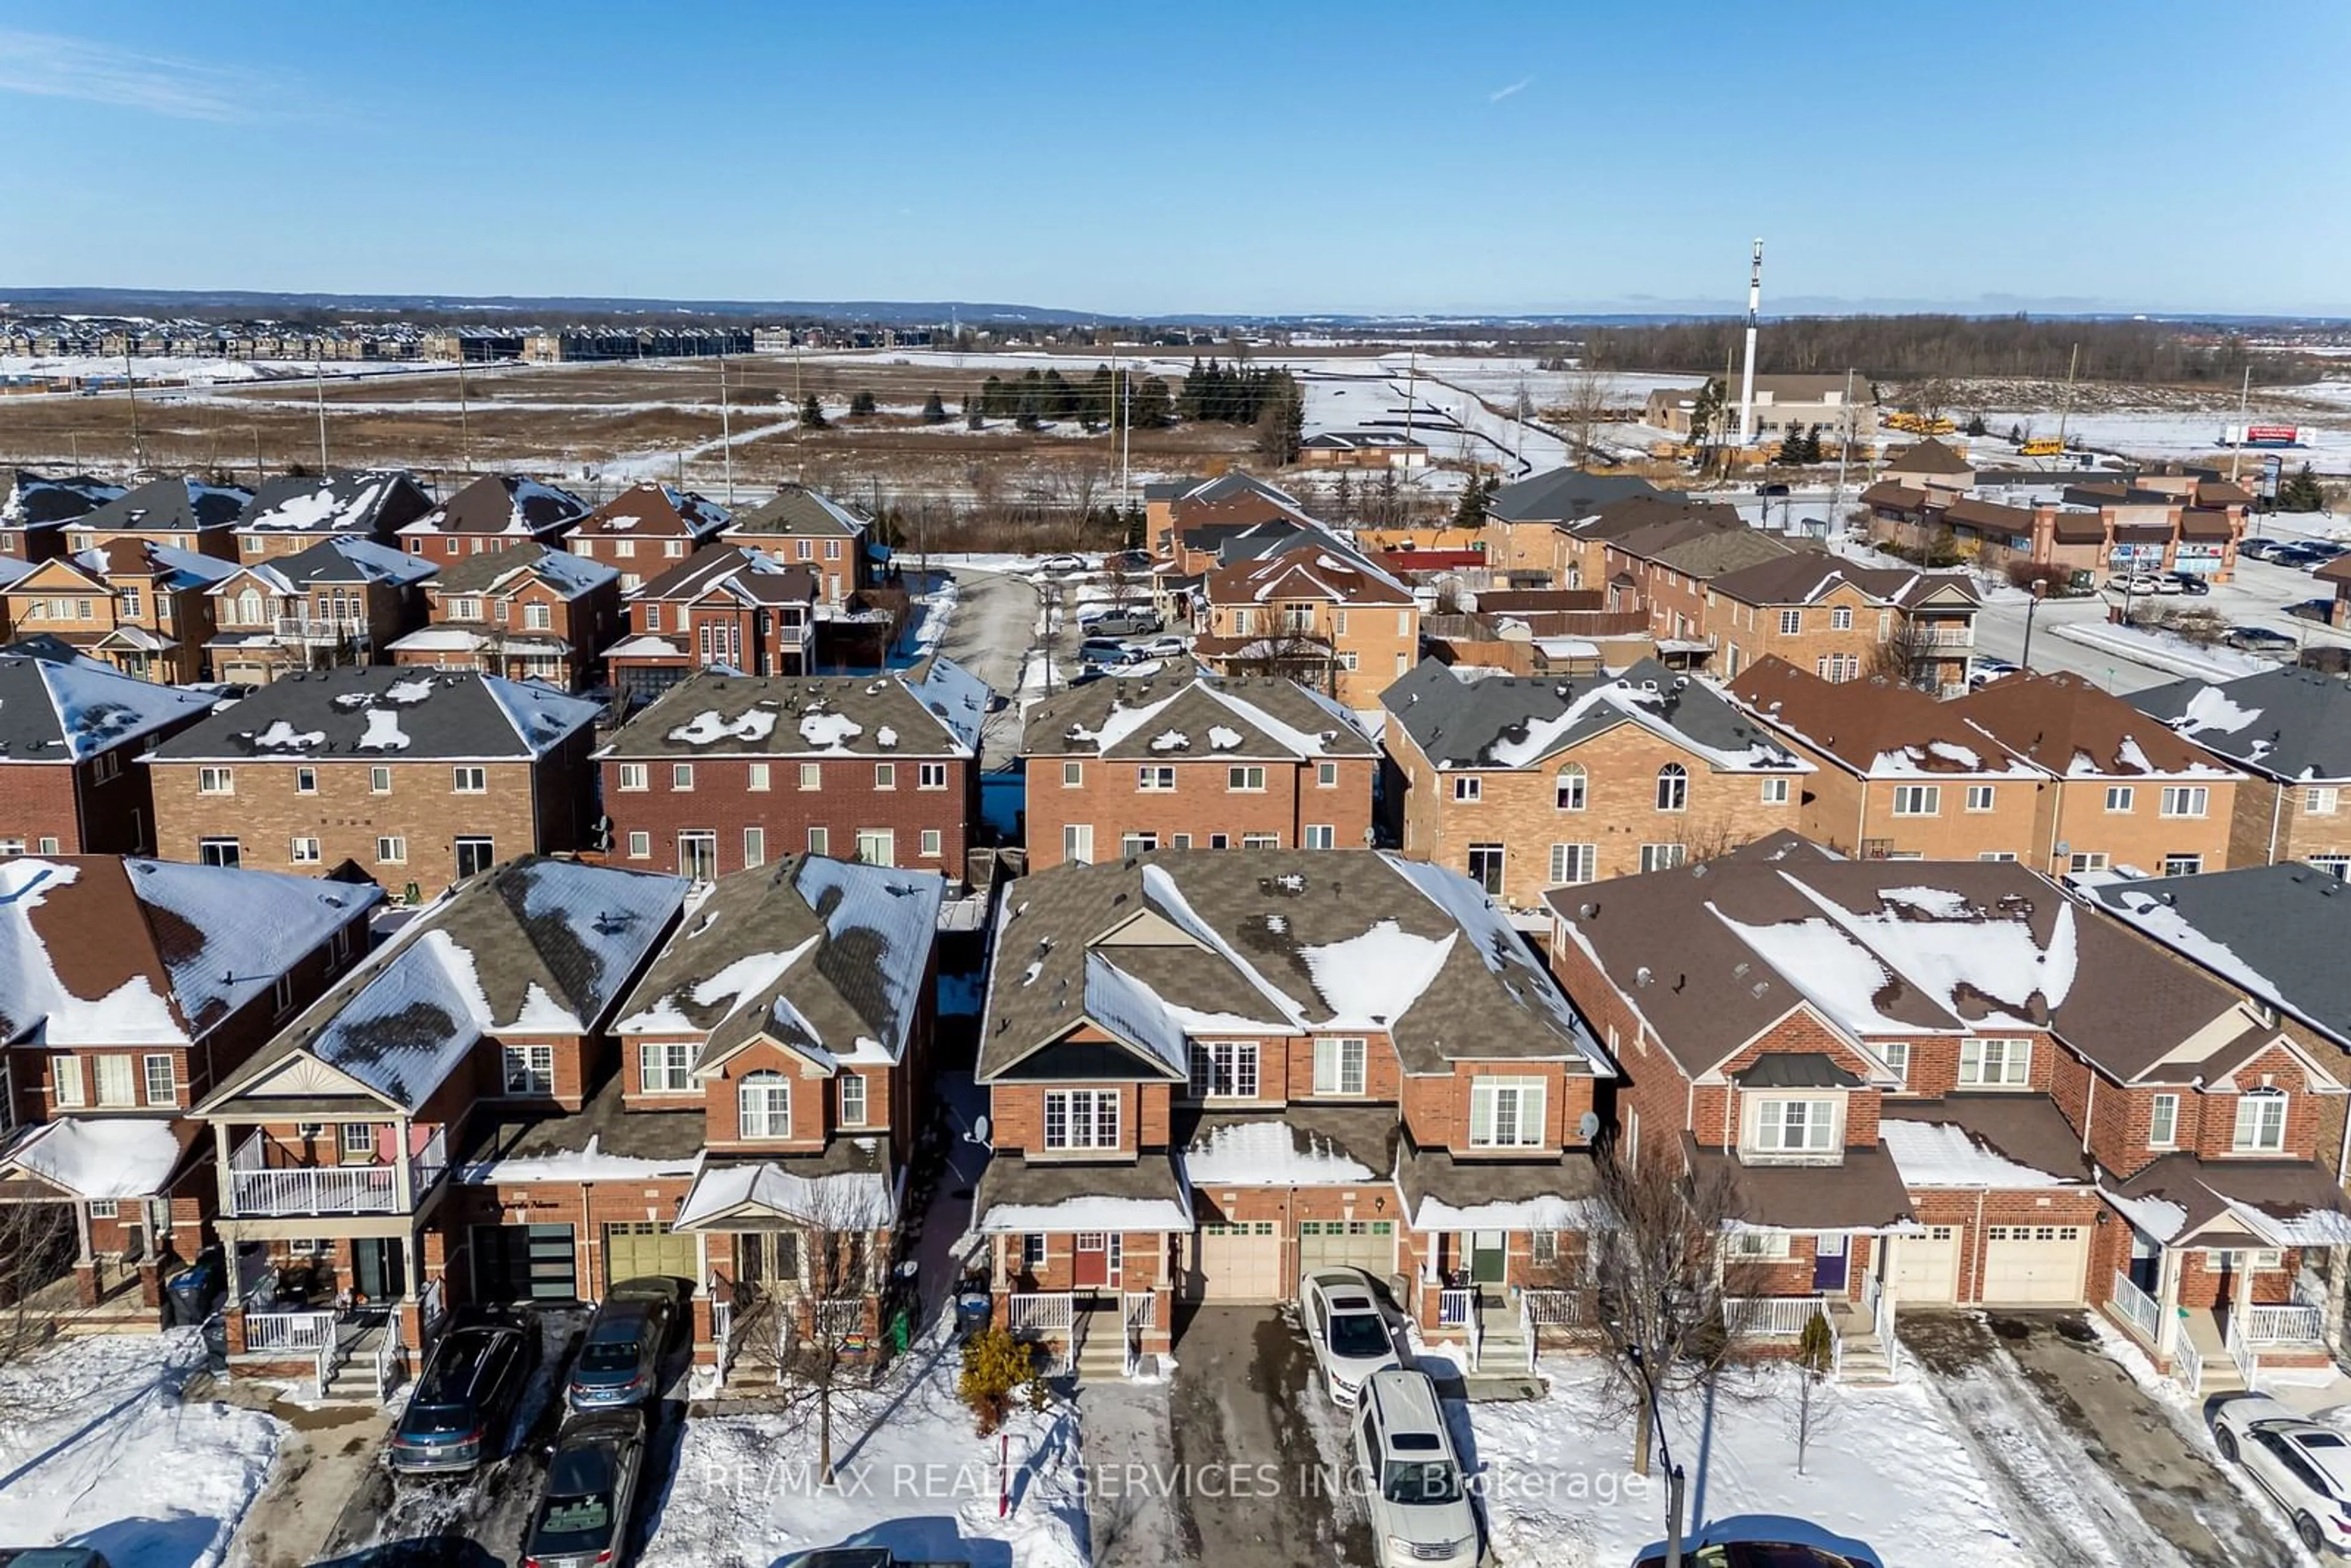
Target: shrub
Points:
(994, 1365)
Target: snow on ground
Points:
(100, 1451)
(2162, 650)
(196, 369)
(912, 1477)
(2174, 433)
(1559, 1490)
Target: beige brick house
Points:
(342, 601)
(529, 612)
(1823, 613)
(1313, 610)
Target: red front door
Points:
(1091, 1263)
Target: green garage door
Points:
(647, 1246)
(524, 1263)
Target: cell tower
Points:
(1746, 379)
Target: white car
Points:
(2303, 1465)
(1420, 1508)
(2139, 582)
(1062, 563)
(1165, 647)
(1348, 1331)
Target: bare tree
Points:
(1076, 486)
(1816, 1360)
(36, 1252)
(1587, 410)
(1665, 1283)
(1905, 657)
(829, 1344)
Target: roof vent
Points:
(1591, 911)
(1642, 976)
(1760, 988)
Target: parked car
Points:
(1413, 1492)
(1167, 647)
(2330, 549)
(1109, 651)
(2136, 582)
(1061, 563)
(2319, 610)
(1753, 1554)
(1127, 560)
(2261, 549)
(582, 1521)
(2257, 640)
(2299, 558)
(465, 1397)
(1122, 624)
(1984, 670)
(2304, 1466)
(1347, 1329)
(52, 1557)
(620, 1355)
(2187, 582)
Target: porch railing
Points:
(323, 1367)
(2298, 1324)
(1041, 1313)
(2187, 1369)
(2249, 1366)
(1138, 1311)
(1879, 1303)
(722, 1324)
(258, 1189)
(301, 1332)
(388, 1357)
(1771, 1317)
(2136, 1307)
(332, 629)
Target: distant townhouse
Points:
(1363, 449)
(1312, 610)
(172, 514)
(1207, 1072)
(132, 986)
(1940, 1084)
(2289, 732)
(800, 527)
(142, 607)
(34, 519)
(496, 512)
(2125, 792)
(1929, 465)
(726, 607)
(71, 734)
(337, 1144)
(2088, 526)
(725, 773)
(1670, 565)
(1175, 511)
(1523, 784)
(1822, 613)
(1838, 405)
(1190, 762)
(529, 612)
(289, 515)
(1899, 775)
(342, 601)
(1579, 556)
(646, 531)
(416, 777)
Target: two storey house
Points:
(647, 530)
(142, 607)
(71, 736)
(175, 513)
(1822, 613)
(496, 512)
(800, 527)
(2288, 733)
(528, 612)
(34, 517)
(726, 607)
(299, 512)
(342, 601)
(1312, 610)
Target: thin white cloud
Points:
(1516, 88)
(51, 64)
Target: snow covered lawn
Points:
(2163, 650)
(1885, 1475)
(96, 1449)
(912, 1475)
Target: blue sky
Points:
(1192, 156)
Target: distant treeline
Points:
(1910, 347)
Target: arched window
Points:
(1570, 787)
(1673, 787)
(248, 608)
(763, 1105)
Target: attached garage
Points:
(1237, 1263)
(2034, 1265)
(645, 1247)
(524, 1263)
(1365, 1244)
(1926, 1268)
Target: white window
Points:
(1248, 780)
(763, 1105)
(356, 1140)
(2119, 798)
(303, 850)
(1792, 621)
(1468, 786)
(1570, 792)
(1995, 1063)
(633, 777)
(2182, 865)
(1663, 857)
(2163, 1122)
(666, 1066)
(653, 618)
(1319, 836)
(2260, 1122)
(1338, 623)
(1673, 788)
(754, 778)
(641, 846)
(1506, 1113)
(930, 776)
(65, 1083)
(1082, 1119)
(115, 1083)
(885, 776)
(1898, 1059)
(1841, 618)
(2185, 800)
(1572, 863)
(1078, 842)
(877, 846)
(1795, 1126)
(530, 1069)
(853, 1100)
(281, 994)
(934, 843)
(2088, 860)
(1155, 781)
(1775, 791)
(470, 780)
(392, 849)
(755, 847)
(538, 617)
(1224, 1070)
(1997, 856)
(2321, 799)
(820, 841)
(163, 1081)
(812, 776)
(1918, 800)
(1339, 1065)
(1260, 840)
(1758, 1246)
(681, 777)
(305, 780)
(1073, 775)
(1838, 667)
(1980, 797)
(215, 780)
(379, 780)
(1326, 776)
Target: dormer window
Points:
(1506, 1114)
(2261, 1123)
(1793, 1127)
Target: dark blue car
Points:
(465, 1398)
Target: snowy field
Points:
(97, 1449)
(196, 369)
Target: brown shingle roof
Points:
(1929, 456)
(2069, 725)
(655, 511)
(1871, 725)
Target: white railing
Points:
(722, 1323)
(331, 1356)
(1879, 1301)
(299, 1332)
(387, 1356)
(2283, 1324)
(1041, 1312)
(1456, 1309)
(256, 1187)
(328, 631)
(837, 1317)
(2187, 1368)
(1138, 1312)
(2136, 1307)
(1771, 1317)
(2249, 1367)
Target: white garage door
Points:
(2034, 1265)
(1926, 1268)
(1239, 1263)
(1365, 1244)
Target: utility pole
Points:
(1411, 389)
(138, 452)
(2066, 403)
(2237, 448)
(1747, 380)
(464, 429)
(256, 457)
(1845, 455)
(319, 380)
(799, 426)
(726, 425)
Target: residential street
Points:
(994, 625)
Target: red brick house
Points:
(726, 607)
(801, 527)
(71, 734)
(647, 530)
(496, 512)
(177, 514)
(343, 600)
(298, 512)
(530, 612)
(723, 773)
(34, 517)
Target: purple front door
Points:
(1828, 1264)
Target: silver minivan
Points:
(1414, 1488)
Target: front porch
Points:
(95, 1215)
(2230, 1346)
(1082, 1258)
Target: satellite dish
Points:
(979, 1131)
(1588, 1127)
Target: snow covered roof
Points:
(1018, 1196)
(908, 714)
(1307, 563)
(736, 571)
(2073, 726)
(657, 511)
(825, 958)
(1305, 1146)
(102, 1157)
(2278, 932)
(1169, 718)
(383, 711)
(168, 506)
(52, 711)
(536, 947)
(501, 504)
(336, 558)
(795, 509)
(360, 504)
(503, 572)
(2289, 724)
(41, 500)
(2180, 1198)
(814, 1191)
(100, 950)
(1176, 943)
(1983, 1141)
(173, 568)
(1517, 721)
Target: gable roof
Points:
(1170, 718)
(336, 560)
(745, 574)
(59, 711)
(905, 713)
(1563, 496)
(385, 713)
(534, 946)
(1156, 947)
(1232, 485)
(2075, 728)
(1305, 563)
(1697, 550)
(114, 950)
(362, 504)
(656, 511)
(496, 570)
(40, 500)
(2278, 933)
(1927, 456)
(187, 505)
(1630, 514)
(799, 511)
(1871, 726)
(1806, 577)
(1518, 721)
(825, 958)
(501, 503)
(172, 569)
(2289, 724)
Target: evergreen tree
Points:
(1976, 424)
(991, 398)
(1150, 406)
(1342, 503)
(1812, 444)
(2016, 436)
(812, 414)
(861, 403)
(935, 410)
(1792, 446)
(2301, 493)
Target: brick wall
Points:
(721, 800)
(1436, 1106)
(1107, 799)
(2073, 811)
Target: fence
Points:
(300, 1332)
(2136, 1307)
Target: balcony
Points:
(299, 628)
(1932, 639)
(260, 1190)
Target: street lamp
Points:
(1664, 1451)
(2038, 588)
